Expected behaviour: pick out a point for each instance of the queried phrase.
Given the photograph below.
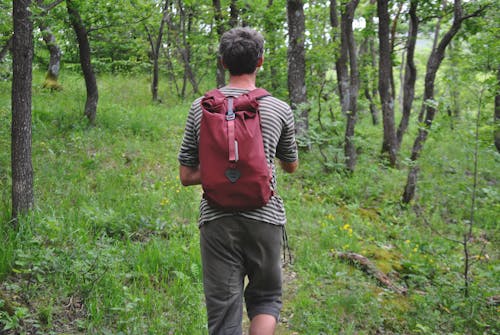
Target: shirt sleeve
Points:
(287, 146)
(188, 153)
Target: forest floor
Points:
(112, 246)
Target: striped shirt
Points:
(278, 135)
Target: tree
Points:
(410, 75)
(155, 49)
(347, 18)
(85, 62)
(297, 64)
(22, 57)
(429, 108)
(52, 75)
(347, 76)
(341, 58)
(389, 145)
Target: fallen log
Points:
(368, 267)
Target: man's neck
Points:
(244, 81)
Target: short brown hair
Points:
(240, 50)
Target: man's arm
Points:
(289, 167)
(189, 175)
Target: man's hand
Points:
(289, 167)
(189, 175)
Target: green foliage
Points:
(112, 246)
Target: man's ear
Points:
(260, 61)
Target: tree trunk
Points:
(346, 27)
(155, 50)
(373, 107)
(410, 75)
(497, 112)
(389, 145)
(22, 58)
(341, 59)
(52, 75)
(392, 37)
(428, 105)
(184, 50)
(297, 64)
(219, 23)
(6, 48)
(88, 72)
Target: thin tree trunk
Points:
(428, 106)
(184, 51)
(341, 59)
(394, 27)
(297, 64)
(155, 50)
(88, 72)
(220, 73)
(389, 145)
(410, 75)
(22, 58)
(346, 26)
(52, 75)
(373, 106)
(6, 48)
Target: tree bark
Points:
(428, 106)
(410, 75)
(392, 37)
(389, 145)
(22, 58)
(497, 112)
(88, 72)
(346, 27)
(52, 75)
(219, 23)
(297, 64)
(341, 59)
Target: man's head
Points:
(240, 50)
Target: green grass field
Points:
(112, 245)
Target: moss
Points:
(51, 82)
(386, 259)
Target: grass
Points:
(112, 245)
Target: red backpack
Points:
(234, 171)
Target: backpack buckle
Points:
(230, 112)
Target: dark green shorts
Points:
(231, 248)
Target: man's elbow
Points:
(189, 175)
(289, 167)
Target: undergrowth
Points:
(112, 245)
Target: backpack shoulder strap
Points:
(258, 93)
(216, 93)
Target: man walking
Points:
(235, 244)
